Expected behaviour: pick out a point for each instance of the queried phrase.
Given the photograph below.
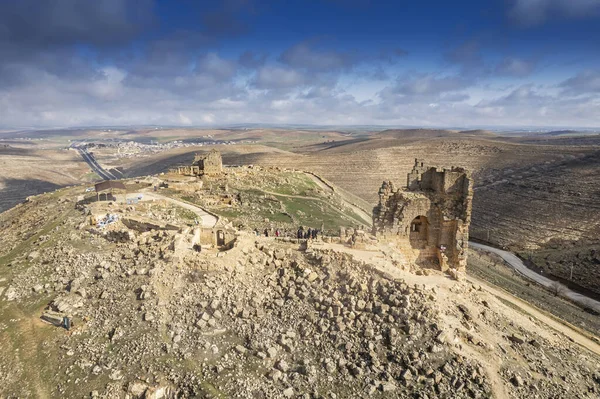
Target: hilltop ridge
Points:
(270, 316)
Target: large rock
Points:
(11, 294)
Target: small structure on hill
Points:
(209, 164)
(430, 218)
(109, 187)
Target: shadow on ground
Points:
(15, 191)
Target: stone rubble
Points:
(265, 319)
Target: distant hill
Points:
(478, 133)
(416, 133)
(559, 133)
(432, 133)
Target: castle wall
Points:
(443, 197)
(210, 164)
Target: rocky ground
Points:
(269, 318)
(536, 194)
(491, 268)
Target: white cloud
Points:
(583, 83)
(215, 66)
(275, 77)
(108, 86)
(183, 89)
(516, 67)
(426, 88)
(536, 12)
(184, 120)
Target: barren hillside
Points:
(26, 170)
(535, 194)
(267, 318)
(529, 197)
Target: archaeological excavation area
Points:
(197, 285)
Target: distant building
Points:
(209, 164)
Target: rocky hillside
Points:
(549, 212)
(268, 318)
(537, 197)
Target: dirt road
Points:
(208, 220)
(571, 332)
(519, 266)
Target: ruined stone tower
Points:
(210, 164)
(204, 165)
(430, 218)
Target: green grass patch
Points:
(296, 184)
(186, 214)
(313, 213)
(229, 213)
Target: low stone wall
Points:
(146, 225)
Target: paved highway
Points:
(89, 158)
(519, 266)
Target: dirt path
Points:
(516, 263)
(27, 333)
(208, 220)
(569, 331)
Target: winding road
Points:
(519, 266)
(207, 220)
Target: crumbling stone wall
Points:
(210, 164)
(220, 236)
(429, 218)
(142, 225)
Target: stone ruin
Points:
(209, 164)
(357, 238)
(429, 219)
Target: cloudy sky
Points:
(194, 63)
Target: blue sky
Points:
(195, 63)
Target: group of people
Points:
(267, 232)
(310, 233)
